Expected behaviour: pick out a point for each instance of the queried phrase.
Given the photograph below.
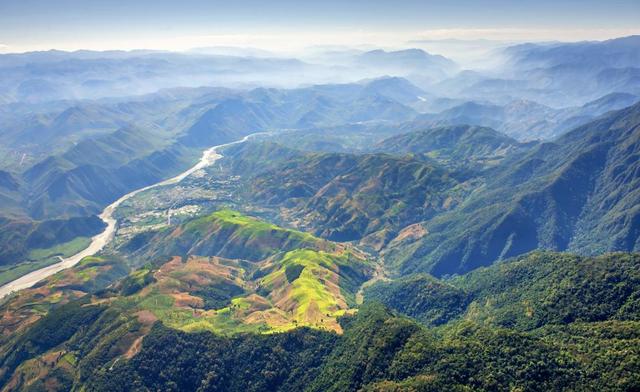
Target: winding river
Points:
(100, 240)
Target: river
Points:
(99, 241)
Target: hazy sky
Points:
(178, 25)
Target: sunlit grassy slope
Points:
(229, 234)
(236, 273)
(303, 287)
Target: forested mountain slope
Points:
(454, 145)
(518, 324)
(345, 197)
(579, 192)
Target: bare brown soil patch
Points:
(146, 317)
(411, 232)
(135, 348)
(272, 317)
(182, 300)
(313, 315)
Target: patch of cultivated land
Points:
(39, 258)
(303, 287)
(27, 306)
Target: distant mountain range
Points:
(557, 75)
(42, 77)
(407, 62)
(613, 53)
(528, 120)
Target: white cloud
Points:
(527, 34)
(292, 41)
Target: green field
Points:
(64, 250)
(40, 258)
(9, 273)
(248, 226)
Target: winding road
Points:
(99, 241)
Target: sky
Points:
(284, 25)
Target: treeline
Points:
(524, 293)
(381, 351)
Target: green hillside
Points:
(25, 241)
(545, 321)
(346, 197)
(579, 192)
(524, 293)
(224, 233)
(456, 145)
